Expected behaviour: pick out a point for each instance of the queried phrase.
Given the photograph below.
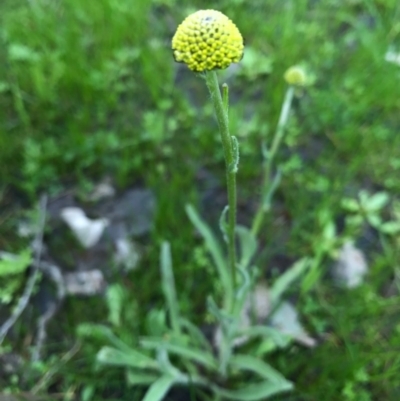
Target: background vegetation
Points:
(89, 89)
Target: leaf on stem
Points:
(234, 166)
(223, 225)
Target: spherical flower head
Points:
(296, 75)
(207, 40)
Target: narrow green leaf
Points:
(131, 358)
(220, 315)
(313, 273)
(279, 339)
(165, 364)
(159, 389)
(244, 287)
(256, 365)
(248, 245)
(200, 356)
(196, 334)
(283, 282)
(168, 285)
(134, 377)
(213, 247)
(271, 190)
(254, 392)
(101, 332)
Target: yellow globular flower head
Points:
(207, 40)
(296, 75)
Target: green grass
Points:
(90, 89)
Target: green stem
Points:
(220, 108)
(280, 129)
(279, 133)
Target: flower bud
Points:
(296, 75)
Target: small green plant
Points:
(369, 209)
(176, 352)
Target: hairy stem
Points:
(220, 107)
